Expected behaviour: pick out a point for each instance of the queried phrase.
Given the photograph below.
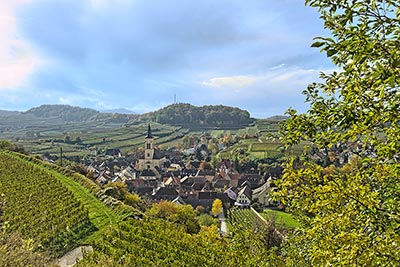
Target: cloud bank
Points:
(138, 54)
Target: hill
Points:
(118, 111)
(64, 112)
(101, 131)
(8, 113)
(189, 116)
(54, 208)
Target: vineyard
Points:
(161, 243)
(243, 218)
(101, 213)
(38, 206)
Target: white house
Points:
(244, 197)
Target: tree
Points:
(8, 145)
(205, 165)
(180, 214)
(118, 191)
(78, 140)
(350, 212)
(216, 206)
(206, 220)
(67, 139)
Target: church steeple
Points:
(149, 134)
(149, 149)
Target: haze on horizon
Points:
(138, 54)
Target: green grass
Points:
(281, 218)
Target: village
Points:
(163, 175)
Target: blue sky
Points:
(138, 54)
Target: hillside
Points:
(162, 243)
(8, 113)
(39, 206)
(64, 112)
(54, 208)
(172, 126)
(118, 111)
(189, 116)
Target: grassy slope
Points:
(282, 218)
(99, 214)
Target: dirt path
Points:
(224, 229)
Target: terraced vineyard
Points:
(244, 218)
(38, 206)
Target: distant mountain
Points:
(190, 116)
(64, 112)
(277, 118)
(8, 113)
(118, 111)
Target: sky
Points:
(143, 55)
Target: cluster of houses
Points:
(161, 176)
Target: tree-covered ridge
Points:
(187, 115)
(64, 112)
(38, 206)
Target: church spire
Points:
(149, 134)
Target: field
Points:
(92, 137)
(82, 139)
(241, 219)
(280, 217)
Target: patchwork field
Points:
(82, 139)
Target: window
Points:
(148, 155)
(148, 146)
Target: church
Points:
(151, 162)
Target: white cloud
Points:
(280, 85)
(274, 80)
(237, 82)
(17, 58)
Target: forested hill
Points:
(64, 112)
(190, 116)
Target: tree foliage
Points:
(8, 145)
(216, 206)
(350, 209)
(183, 215)
(64, 112)
(187, 115)
(161, 243)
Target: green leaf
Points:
(331, 52)
(318, 44)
